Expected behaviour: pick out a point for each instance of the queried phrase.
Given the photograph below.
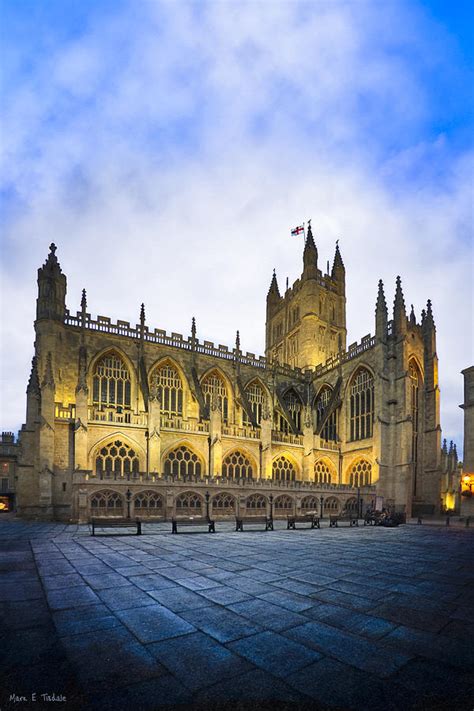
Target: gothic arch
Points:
(188, 503)
(181, 459)
(219, 373)
(413, 358)
(360, 403)
(359, 472)
(106, 502)
(171, 404)
(283, 504)
(242, 453)
(224, 503)
(258, 408)
(285, 468)
(119, 353)
(353, 375)
(324, 471)
(124, 437)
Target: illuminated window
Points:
(106, 503)
(215, 391)
(183, 463)
(116, 460)
(360, 473)
(237, 466)
(256, 397)
(188, 504)
(111, 385)
(283, 470)
(322, 473)
(362, 405)
(329, 431)
(168, 385)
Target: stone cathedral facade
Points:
(124, 419)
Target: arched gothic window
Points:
(223, 503)
(415, 382)
(116, 459)
(362, 405)
(331, 505)
(351, 506)
(106, 503)
(256, 397)
(237, 466)
(168, 385)
(329, 430)
(111, 386)
(360, 473)
(215, 391)
(284, 505)
(148, 502)
(322, 473)
(183, 463)
(295, 407)
(188, 504)
(283, 469)
(310, 503)
(256, 504)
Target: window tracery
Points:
(106, 503)
(117, 459)
(256, 397)
(360, 473)
(362, 405)
(167, 383)
(189, 504)
(183, 463)
(329, 431)
(322, 473)
(111, 385)
(283, 469)
(215, 392)
(148, 502)
(237, 465)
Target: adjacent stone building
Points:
(125, 419)
(467, 481)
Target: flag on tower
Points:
(297, 230)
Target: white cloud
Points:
(168, 152)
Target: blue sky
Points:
(168, 148)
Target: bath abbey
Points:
(126, 420)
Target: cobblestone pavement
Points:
(346, 618)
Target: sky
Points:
(168, 148)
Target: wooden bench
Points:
(116, 523)
(334, 520)
(266, 520)
(192, 521)
(303, 518)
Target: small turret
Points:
(310, 256)
(338, 272)
(51, 301)
(412, 317)
(429, 330)
(381, 314)
(399, 311)
(274, 292)
(33, 383)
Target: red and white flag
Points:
(297, 230)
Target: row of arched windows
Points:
(118, 459)
(190, 502)
(112, 388)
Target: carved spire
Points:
(412, 316)
(381, 313)
(399, 311)
(83, 302)
(338, 264)
(429, 316)
(51, 301)
(142, 315)
(274, 291)
(310, 255)
(48, 379)
(445, 446)
(237, 342)
(33, 382)
(82, 371)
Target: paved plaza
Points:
(347, 618)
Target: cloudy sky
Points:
(167, 148)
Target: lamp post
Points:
(321, 501)
(207, 496)
(358, 503)
(129, 496)
(271, 506)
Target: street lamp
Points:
(271, 506)
(207, 496)
(321, 501)
(359, 515)
(129, 496)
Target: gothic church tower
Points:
(307, 325)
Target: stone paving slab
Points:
(350, 618)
